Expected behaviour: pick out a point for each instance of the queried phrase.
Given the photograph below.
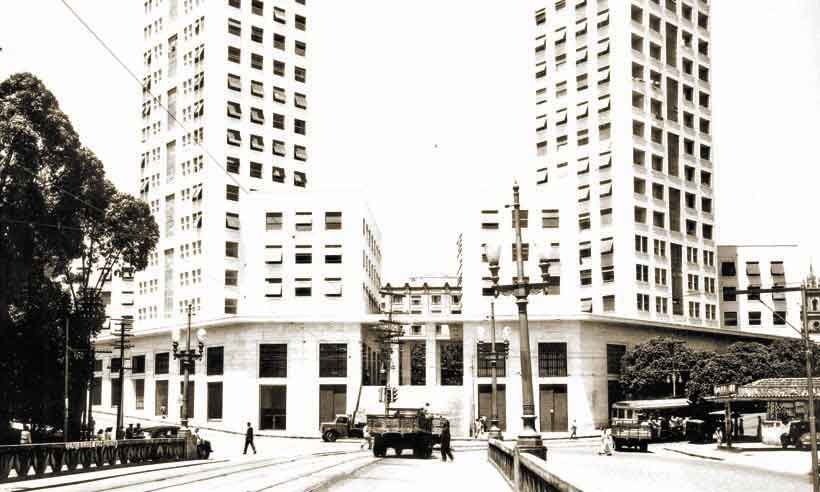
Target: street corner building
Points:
(287, 280)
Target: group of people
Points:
(479, 428)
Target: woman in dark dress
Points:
(445, 442)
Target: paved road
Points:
(469, 472)
(349, 470)
(661, 470)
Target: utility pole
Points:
(388, 337)
(810, 388)
(65, 388)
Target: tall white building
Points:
(623, 125)
(746, 267)
(233, 76)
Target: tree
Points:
(741, 363)
(57, 211)
(646, 367)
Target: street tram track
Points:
(313, 472)
(212, 473)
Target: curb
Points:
(696, 455)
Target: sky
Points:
(420, 103)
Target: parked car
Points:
(793, 433)
(160, 431)
(342, 426)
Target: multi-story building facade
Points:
(746, 267)
(232, 76)
(623, 120)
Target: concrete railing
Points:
(55, 458)
(525, 472)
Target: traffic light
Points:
(394, 394)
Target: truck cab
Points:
(341, 427)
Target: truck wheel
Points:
(329, 436)
(644, 447)
(618, 445)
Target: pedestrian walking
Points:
(367, 438)
(574, 430)
(25, 435)
(718, 436)
(606, 439)
(249, 439)
(445, 442)
(741, 432)
(483, 426)
(476, 428)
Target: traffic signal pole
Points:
(810, 388)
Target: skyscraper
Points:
(623, 119)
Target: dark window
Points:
(780, 317)
(98, 365)
(161, 398)
(233, 165)
(754, 318)
(333, 360)
(256, 170)
(214, 401)
(273, 360)
(304, 258)
(552, 359)
(116, 391)
(96, 392)
(729, 294)
(216, 361)
(451, 361)
(161, 363)
(727, 269)
(138, 364)
(115, 365)
(485, 367)
(272, 407)
(139, 394)
(231, 249)
(614, 354)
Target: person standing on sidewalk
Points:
(367, 438)
(445, 442)
(249, 439)
(574, 429)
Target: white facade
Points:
(233, 77)
(623, 137)
(745, 267)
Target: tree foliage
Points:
(63, 229)
(647, 366)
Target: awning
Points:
(603, 17)
(561, 34)
(301, 100)
(581, 56)
(778, 296)
(652, 404)
(606, 189)
(278, 174)
(586, 262)
(604, 103)
(234, 110)
(299, 179)
(279, 148)
(586, 305)
(581, 27)
(333, 287)
(582, 110)
(606, 246)
(541, 176)
(777, 268)
(300, 153)
(232, 222)
(603, 75)
(273, 254)
(197, 194)
(605, 159)
(302, 283)
(583, 194)
(234, 82)
(603, 47)
(279, 95)
(753, 268)
(273, 289)
(127, 298)
(561, 116)
(583, 165)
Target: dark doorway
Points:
(272, 407)
(553, 407)
(613, 394)
(484, 403)
(332, 401)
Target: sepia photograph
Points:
(409, 245)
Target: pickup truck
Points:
(400, 429)
(342, 427)
(797, 434)
(631, 435)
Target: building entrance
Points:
(332, 401)
(553, 407)
(485, 396)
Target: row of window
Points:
(257, 89)
(659, 221)
(257, 143)
(258, 63)
(258, 35)
(257, 115)
(279, 14)
(728, 269)
(659, 193)
(549, 219)
(755, 318)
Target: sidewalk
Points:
(752, 454)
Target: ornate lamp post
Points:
(529, 440)
(187, 356)
(494, 352)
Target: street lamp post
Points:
(495, 353)
(529, 440)
(187, 356)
